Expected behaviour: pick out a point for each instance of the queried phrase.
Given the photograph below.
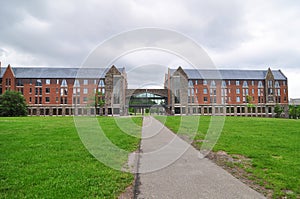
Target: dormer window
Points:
(260, 85)
(245, 84)
(277, 84)
(212, 83)
(101, 83)
(64, 83)
(38, 82)
(223, 83)
(76, 83)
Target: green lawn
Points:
(43, 157)
(272, 144)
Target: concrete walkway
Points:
(166, 173)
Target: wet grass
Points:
(43, 157)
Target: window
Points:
(270, 91)
(196, 82)
(76, 83)
(228, 82)
(214, 92)
(64, 83)
(213, 100)
(48, 81)
(277, 84)
(278, 92)
(85, 82)
(252, 83)
(237, 91)
(63, 91)
(212, 83)
(245, 84)
(223, 83)
(85, 91)
(57, 81)
(245, 91)
(116, 98)
(204, 82)
(36, 91)
(63, 100)
(95, 81)
(38, 82)
(101, 83)
(30, 90)
(190, 83)
(205, 99)
(56, 99)
(283, 82)
(19, 82)
(205, 91)
(260, 85)
(47, 99)
(85, 99)
(47, 90)
(56, 90)
(270, 83)
(237, 83)
(30, 99)
(252, 90)
(238, 99)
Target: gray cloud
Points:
(236, 34)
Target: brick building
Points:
(230, 92)
(68, 91)
(84, 91)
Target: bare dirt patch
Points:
(127, 194)
(237, 165)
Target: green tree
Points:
(249, 103)
(294, 111)
(12, 103)
(278, 110)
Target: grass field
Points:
(43, 157)
(272, 144)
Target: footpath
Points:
(170, 168)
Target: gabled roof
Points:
(230, 74)
(59, 72)
(2, 71)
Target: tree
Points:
(249, 103)
(278, 110)
(12, 103)
(294, 111)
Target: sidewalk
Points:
(166, 173)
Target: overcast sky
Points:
(235, 34)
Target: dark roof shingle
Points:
(230, 74)
(60, 72)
